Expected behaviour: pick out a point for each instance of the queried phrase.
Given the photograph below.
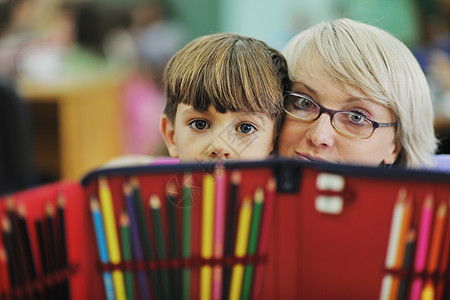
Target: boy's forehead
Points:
(186, 109)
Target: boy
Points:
(224, 96)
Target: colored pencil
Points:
(232, 211)
(155, 208)
(26, 241)
(174, 239)
(253, 241)
(42, 245)
(266, 226)
(401, 246)
(62, 229)
(50, 230)
(427, 291)
(442, 286)
(422, 245)
(186, 238)
(407, 262)
(16, 243)
(243, 230)
(219, 229)
(126, 250)
(102, 246)
(207, 235)
(50, 245)
(9, 248)
(64, 263)
(395, 231)
(136, 239)
(30, 266)
(145, 236)
(112, 240)
(437, 238)
(6, 288)
(398, 213)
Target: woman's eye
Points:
(303, 103)
(246, 128)
(199, 125)
(356, 118)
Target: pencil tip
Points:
(127, 188)
(61, 200)
(134, 181)
(171, 189)
(155, 203)
(22, 210)
(102, 181)
(187, 179)
(124, 218)
(236, 177)
(49, 209)
(6, 224)
(94, 203)
(259, 195)
(10, 202)
(271, 184)
(402, 194)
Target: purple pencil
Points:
(137, 246)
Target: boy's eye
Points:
(199, 124)
(246, 128)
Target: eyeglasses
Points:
(352, 124)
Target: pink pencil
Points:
(264, 236)
(426, 219)
(219, 230)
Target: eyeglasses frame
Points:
(331, 113)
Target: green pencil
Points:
(253, 241)
(145, 236)
(126, 251)
(155, 207)
(174, 240)
(186, 238)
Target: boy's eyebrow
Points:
(192, 110)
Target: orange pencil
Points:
(401, 246)
(437, 238)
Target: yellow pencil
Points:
(207, 235)
(111, 236)
(243, 229)
(428, 291)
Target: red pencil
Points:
(442, 288)
(4, 279)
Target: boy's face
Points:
(197, 135)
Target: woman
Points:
(358, 96)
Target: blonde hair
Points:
(231, 72)
(372, 64)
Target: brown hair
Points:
(231, 72)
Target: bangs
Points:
(236, 76)
(357, 67)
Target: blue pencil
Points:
(102, 248)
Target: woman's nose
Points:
(321, 133)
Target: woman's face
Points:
(318, 140)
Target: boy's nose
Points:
(219, 151)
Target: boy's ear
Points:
(168, 133)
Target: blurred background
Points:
(80, 80)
